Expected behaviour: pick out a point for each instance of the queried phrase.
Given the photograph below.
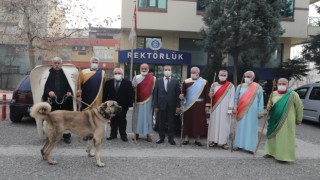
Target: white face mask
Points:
(94, 65)
(222, 78)
(144, 73)
(167, 73)
(194, 76)
(282, 88)
(118, 77)
(247, 80)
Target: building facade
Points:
(177, 23)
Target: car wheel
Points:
(16, 118)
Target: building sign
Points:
(161, 56)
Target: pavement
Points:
(7, 93)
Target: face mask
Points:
(94, 65)
(282, 88)
(194, 76)
(222, 78)
(143, 73)
(247, 80)
(167, 73)
(118, 77)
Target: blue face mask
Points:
(94, 65)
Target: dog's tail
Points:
(40, 110)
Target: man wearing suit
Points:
(166, 103)
(120, 90)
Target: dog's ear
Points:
(104, 105)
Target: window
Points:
(79, 48)
(201, 5)
(315, 94)
(12, 69)
(287, 9)
(142, 41)
(302, 92)
(159, 4)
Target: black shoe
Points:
(171, 141)
(160, 141)
(125, 139)
(197, 143)
(111, 137)
(67, 140)
(185, 142)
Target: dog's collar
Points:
(103, 113)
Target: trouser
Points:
(119, 122)
(166, 119)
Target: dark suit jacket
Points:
(163, 99)
(124, 96)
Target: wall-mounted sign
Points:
(162, 56)
(155, 44)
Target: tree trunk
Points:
(31, 55)
(235, 68)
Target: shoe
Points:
(160, 141)
(236, 149)
(185, 142)
(267, 156)
(111, 137)
(225, 147)
(125, 139)
(197, 143)
(171, 141)
(213, 144)
(148, 138)
(67, 140)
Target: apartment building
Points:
(175, 26)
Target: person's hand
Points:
(211, 94)
(79, 99)
(260, 116)
(235, 111)
(229, 112)
(269, 106)
(181, 96)
(135, 84)
(156, 110)
(178, 110)
(207, 109)
(52, 94)
(69, 94)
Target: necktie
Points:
(117, 85)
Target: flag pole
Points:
(132, 37)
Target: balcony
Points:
(313, 26)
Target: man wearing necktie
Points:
(166, 103)
(120, 90)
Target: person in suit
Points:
(166, 103)
(120, 90)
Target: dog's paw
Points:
(91, 154)
(100, 164)
(53, 162)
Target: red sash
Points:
(246, 100)
(219, 93)
(145, 88)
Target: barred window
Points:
(159, 4)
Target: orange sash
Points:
(246, 100)
(145, 88)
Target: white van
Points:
(310, 97)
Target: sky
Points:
(106, 8)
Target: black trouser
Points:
(166, 119)
(119, 122)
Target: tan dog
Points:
(90, 123)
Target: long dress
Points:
(247, 127)
(282, 145)
(220, 121)
(144, 111)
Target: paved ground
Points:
(20, 158)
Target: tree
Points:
(292, 69)
(311, 51)
(242, 28)
(35, 22)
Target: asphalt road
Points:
(20, 158)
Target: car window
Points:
(302, 92)
(25, 85)
(315, 93)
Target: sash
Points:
(145, 88)
(220, 94)
(91, 88)
(278, 114)
(193, 93)
(246, 100)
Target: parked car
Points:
(22, 100)
(310, 97)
